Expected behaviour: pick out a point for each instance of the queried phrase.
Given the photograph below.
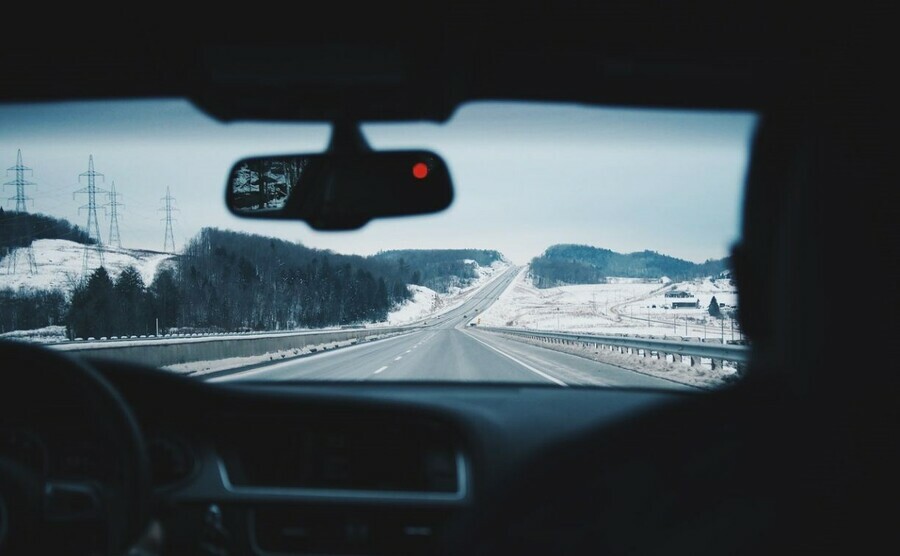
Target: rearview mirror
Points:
(339, 191)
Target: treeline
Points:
(583, 264)
(231, 281)
(26, 310)
(20, 229)
(101, 306)
(235, 280)
(439, 269)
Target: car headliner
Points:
(421, 66)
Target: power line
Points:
(21, 207)
(93, 225)
(168, 208)
(113, 204)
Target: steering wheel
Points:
(53, 508)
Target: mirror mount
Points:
(347, 139)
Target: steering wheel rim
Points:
(52, 369)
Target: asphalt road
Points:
(447, 349)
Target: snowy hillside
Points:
(621, 306)
(424, 303)
(59, 264)
(427, 302)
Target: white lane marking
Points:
(407, 351)
(305, 359)
(398, 358)
(379, 370)
(526, 365)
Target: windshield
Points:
(585, 246)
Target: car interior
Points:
(793, 458)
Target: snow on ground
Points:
(46, 335)
(424, 303)
(199, 368)
(703, 289)
(576, 308)
(59, 264)
(656, 314)
(621, 306)
(427, 302)
(701, 375)
(116, 342)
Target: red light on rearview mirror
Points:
(420, 170)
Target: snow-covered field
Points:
(427, 302)
(622, 306)
(46, 335)
(59, 264)
(625, 306)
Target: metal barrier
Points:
(173, 351)
(717, 353)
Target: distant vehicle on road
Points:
(471, 324)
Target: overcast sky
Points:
(526, 176)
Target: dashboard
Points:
(305, 468)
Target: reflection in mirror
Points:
(263, 184)
(340, 191)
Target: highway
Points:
(447, 349)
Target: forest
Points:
(238, 281)
(582, 264)
(232, 281)
(439, 269)
(20, 229)
(26, 310)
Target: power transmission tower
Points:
(21, 207)
(168, 208)
(20, 182)
(113, 205)
(93, 224)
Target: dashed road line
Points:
(379, 370)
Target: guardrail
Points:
(162, 352)
(717, 353)
(152, 337)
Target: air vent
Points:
(376, 454)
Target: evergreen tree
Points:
(131, 307)
(714, 308)
(165, 300)
(91, 310)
